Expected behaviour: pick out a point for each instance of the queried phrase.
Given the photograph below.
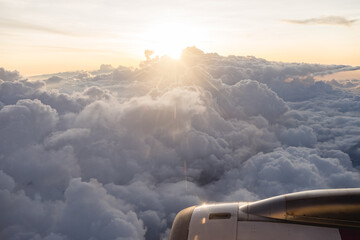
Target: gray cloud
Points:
(117, 152)
(329, 20)
(9, 75)
(344, 69)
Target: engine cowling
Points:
(319, 214)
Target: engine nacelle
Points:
(320, 214)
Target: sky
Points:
(107, 143)
(45, 36)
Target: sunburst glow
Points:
(170, 38)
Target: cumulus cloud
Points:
(115, 153)
(53, 80)
(9, 75)
(148, 54)
(275, 172)
(90, 212)
(328, 20)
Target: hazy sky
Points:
(43, 36)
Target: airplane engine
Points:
(332, 214)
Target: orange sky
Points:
(52, 36)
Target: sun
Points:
(170, 38)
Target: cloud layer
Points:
(116, 153)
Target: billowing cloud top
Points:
(116, 153)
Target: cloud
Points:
(12, 23)
(53, 80)
(271, 173)
(90, 212)
(329, 20)
(38, 120)
(9, 75)
(344, 69)
(117, 152)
